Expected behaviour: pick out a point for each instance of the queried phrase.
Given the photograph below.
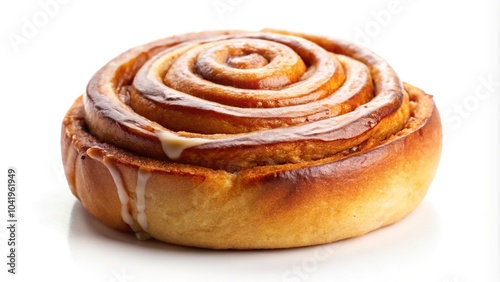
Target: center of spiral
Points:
(247, 61)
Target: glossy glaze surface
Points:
(201, 98)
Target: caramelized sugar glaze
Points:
(233, 100)
(248, 140)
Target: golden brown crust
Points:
(286, 206)
(380, 178)
(320, 131)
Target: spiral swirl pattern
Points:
(250, 140)
(234, 99)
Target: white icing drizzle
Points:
(142, 180)
(117, 178)
(122, 194)
(173, 145)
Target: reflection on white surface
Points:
(102, 253)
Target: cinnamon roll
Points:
(250, 140)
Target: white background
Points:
(447, 48)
